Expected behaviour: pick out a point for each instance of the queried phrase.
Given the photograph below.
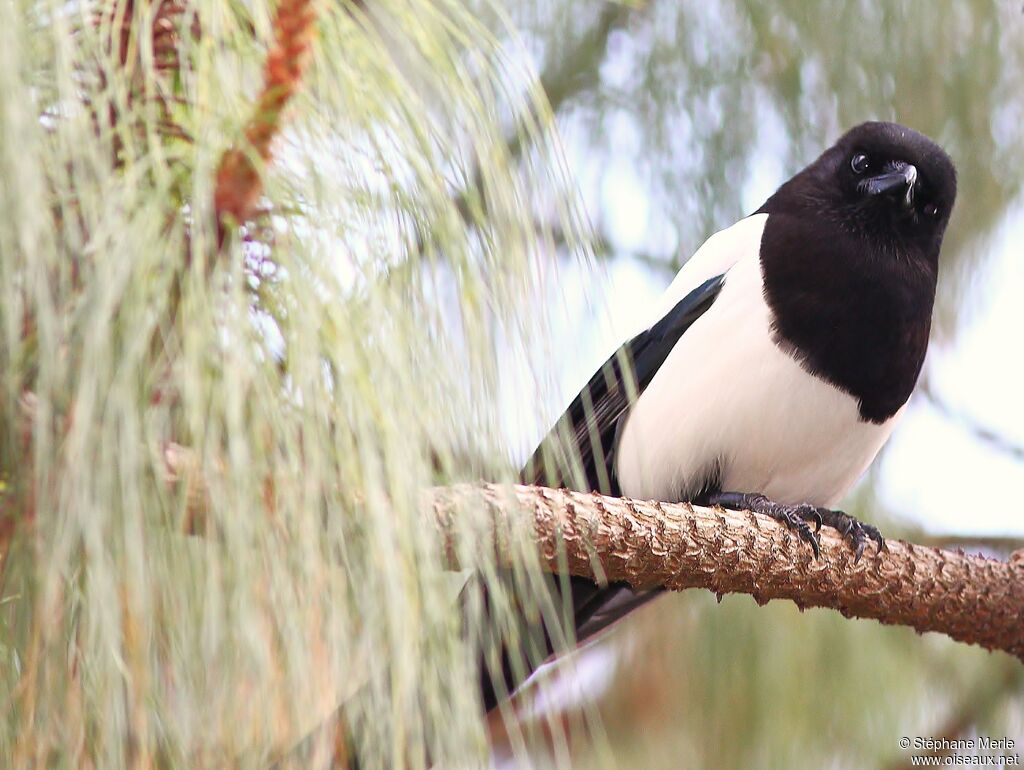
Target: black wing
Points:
(579, 452)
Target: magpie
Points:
(774, 369)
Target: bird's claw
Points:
(811, 536)
(818, 521)
(795, 518)
(853, 530)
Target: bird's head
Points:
(884, 182)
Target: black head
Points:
(884, 182)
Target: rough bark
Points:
(971, 599)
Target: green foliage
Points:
(212, 453)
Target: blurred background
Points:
(679, 118)
(271, 268)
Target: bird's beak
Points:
(900, 182)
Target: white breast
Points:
(728, 397)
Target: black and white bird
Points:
(781, 358)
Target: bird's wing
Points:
(578, 453)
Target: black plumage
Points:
(579, 452)
(851, 278)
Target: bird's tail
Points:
(574, 610)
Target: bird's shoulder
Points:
(716, 256)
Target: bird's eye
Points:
(859, 163)
(931, 210)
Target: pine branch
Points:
(971, 599)
(239, 183)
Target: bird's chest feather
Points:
(855, 316)
(732, 408)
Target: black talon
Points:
(796, 518)
(812, 538)
(859, 551)
(875, 535)
(800, 515)
(853, 530)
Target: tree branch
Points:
(239, 182)
(971, 599)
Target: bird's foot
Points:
(798, 518)
(857, 532)
(793, 517)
